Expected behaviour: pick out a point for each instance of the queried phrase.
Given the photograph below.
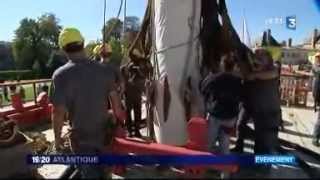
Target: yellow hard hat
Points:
(70, 35)
(96, 50)
(107, 48)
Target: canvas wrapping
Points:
(177, 56)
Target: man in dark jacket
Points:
(263, 103)
(222, 92)
(135, 83)
(316, 96)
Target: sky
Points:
(87, 15)
(257, 12)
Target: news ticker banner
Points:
(193, 160)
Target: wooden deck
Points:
(299, 124)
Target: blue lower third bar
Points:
(242, 160)
(142, 159)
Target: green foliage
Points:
(113, 32)
(113, 28)
(57, 59)
(29, 94)
(6, 56)
(311, 57)
(132, 23)
(116, 51)
(17, 75)
(36, 69)
(275, 52)
(34, 42)
(50, 29)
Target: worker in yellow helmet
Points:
(103, 54)
(81, 90)
(95, 54)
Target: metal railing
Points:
(26, 82)
(294, 88)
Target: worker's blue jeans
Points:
(216, 134)
(242, 122)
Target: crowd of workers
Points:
(232, 99)
(82, 87)
(86, 89)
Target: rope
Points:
(176, 46)
(114, 25)
(104, 21)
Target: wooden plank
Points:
(301, 129)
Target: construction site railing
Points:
(26, 82)
(294, 88)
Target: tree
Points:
(34, 42)
(6, 58)
(132, 29)
(113, 28)
(56, 59)
(275, 52)
(116, 51)
(23, 42)
(50, 28)
(132, 23)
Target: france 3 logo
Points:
(291, 22)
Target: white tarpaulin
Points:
(176, 29)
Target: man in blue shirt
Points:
(81, 90)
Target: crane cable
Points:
(104, 21)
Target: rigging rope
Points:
(104, 21)
(106, 34)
